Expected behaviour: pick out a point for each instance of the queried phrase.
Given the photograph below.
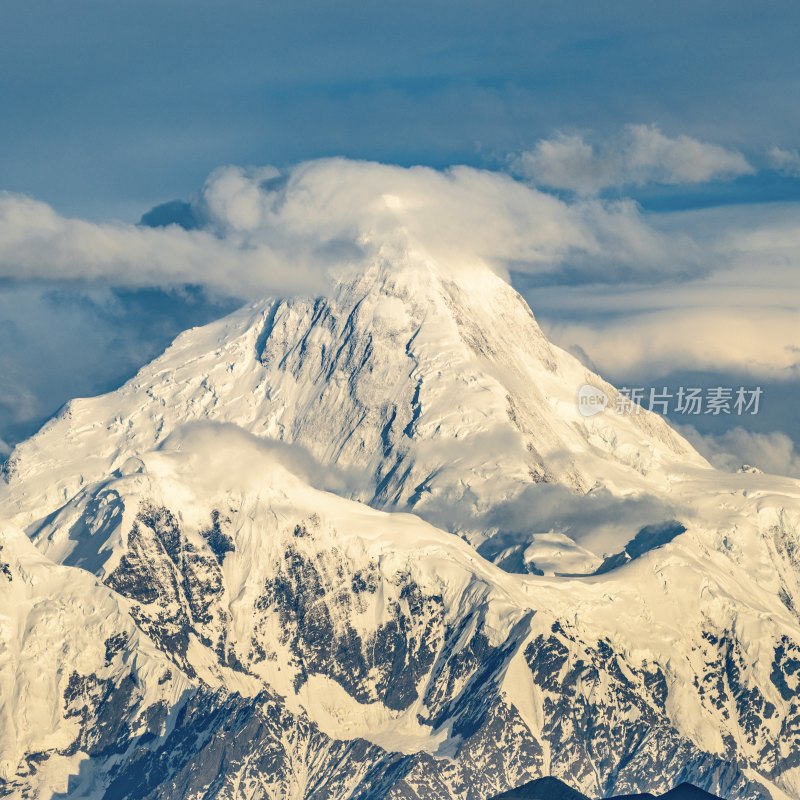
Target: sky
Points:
(641, 159)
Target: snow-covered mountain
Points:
(211, 585)
(427, 393)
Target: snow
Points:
(54, 621)
(399, 410)
(340, 716)
(428, 394)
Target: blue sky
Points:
(110, 108)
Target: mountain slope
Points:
(431, 395)
(379, 628)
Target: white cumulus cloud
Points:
(638, 155)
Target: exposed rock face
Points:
(554, 789)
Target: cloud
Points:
(742, 317)
(786, 161)
(459, 218)
(58, 342)
(264, 231)
(598, 522)
(638, 155)
(758, 341)
(771, 452)
(221, 445)
(37, 243)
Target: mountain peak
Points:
(550, 788)
(442, 395)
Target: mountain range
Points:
(554, 789)
(365, 546)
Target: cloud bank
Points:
(37, 243)
(638, 155)
(757, 341)
(743, 316)
(264, 231)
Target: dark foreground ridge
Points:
(554, 789)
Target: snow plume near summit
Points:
(265, 231)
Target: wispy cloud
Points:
(598, 522)
(638, 155)
(742, 317)
(36, 243)
(771, 452)
(211, 441)
(761, 341)
(786, 161)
